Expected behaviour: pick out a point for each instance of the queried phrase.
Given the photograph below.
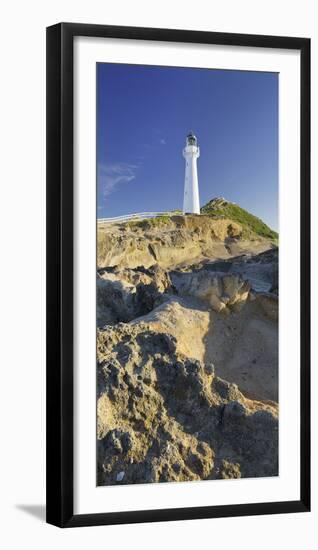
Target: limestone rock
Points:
(172, 241)
(219, 290)
(165, 417)
(187, 352)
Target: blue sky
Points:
(143, 116)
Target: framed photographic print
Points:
(178, 274)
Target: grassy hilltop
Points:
(221, 208)
(218, 209)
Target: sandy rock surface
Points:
(187, 357)
(165, 417)
(173, 241)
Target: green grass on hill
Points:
(220, 208)
(149, 222)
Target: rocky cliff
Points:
(170, 241)
(187, 351)
(163, 416)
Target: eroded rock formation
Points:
(172, 241)
(187, 355)
(165, 417)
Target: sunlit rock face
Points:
(171, 241)
(165, 417)
(187, 349)
(187, 373)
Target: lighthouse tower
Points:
(191, 201)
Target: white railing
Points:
(138, 216)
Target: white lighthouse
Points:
(191, 201)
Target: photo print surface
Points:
(187, 274)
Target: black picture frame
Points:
(60, 237)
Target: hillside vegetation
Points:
(221, 208)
